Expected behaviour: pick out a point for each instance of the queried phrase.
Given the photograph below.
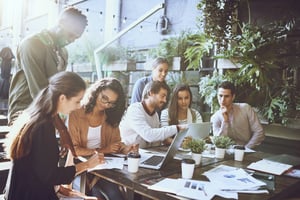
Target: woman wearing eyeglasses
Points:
(95, 127)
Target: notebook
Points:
(199, 130)
(158, 161)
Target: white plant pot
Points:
(220, 153)
(197, 157)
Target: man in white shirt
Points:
(141, 124)
(236, 120)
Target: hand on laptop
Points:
(168, 141)
(181, 127)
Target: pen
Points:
(151, 152)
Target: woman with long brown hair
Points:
(35, 150)
(180, 110)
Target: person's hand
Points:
(112, 148)
(182, 126)
(132, 148)
(168, 141)
(96, 159)
(224, 111)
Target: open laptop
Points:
(158, 161)
(199, 130)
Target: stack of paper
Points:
(192, 189)
(228, 178)
(225, 181)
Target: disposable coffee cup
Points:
(239, 153)
(187, 168)
(133, 160)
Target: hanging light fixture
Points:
(162, 23)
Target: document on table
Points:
(236, 179)
(192, 189)
(110, 163)
(271, 167)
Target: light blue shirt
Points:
(138, 88)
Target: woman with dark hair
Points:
(34, 150)
(179, 110)
(95, 127)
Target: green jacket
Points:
(37, 61)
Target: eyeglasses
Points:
(105, 100)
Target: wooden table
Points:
(135, 182)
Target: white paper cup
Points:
(133, 160)
(133, 165)
(239, 153)
(187, 168)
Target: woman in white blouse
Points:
(179, 110)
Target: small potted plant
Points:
(221, 143)
(197, 146)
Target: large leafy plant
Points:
(201, 45)
(208, 89)
(218, 19)
(261, 53)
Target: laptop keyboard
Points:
(153, 160)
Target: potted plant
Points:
(173, 49)
(117, 58)
(197, 146)
(221, 143)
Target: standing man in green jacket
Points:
(40, 56)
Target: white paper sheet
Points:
(110, 163)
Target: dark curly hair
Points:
(114, 114)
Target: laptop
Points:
(159, 161)
(199, 130)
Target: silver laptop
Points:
(199, 130)
(158, 161)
